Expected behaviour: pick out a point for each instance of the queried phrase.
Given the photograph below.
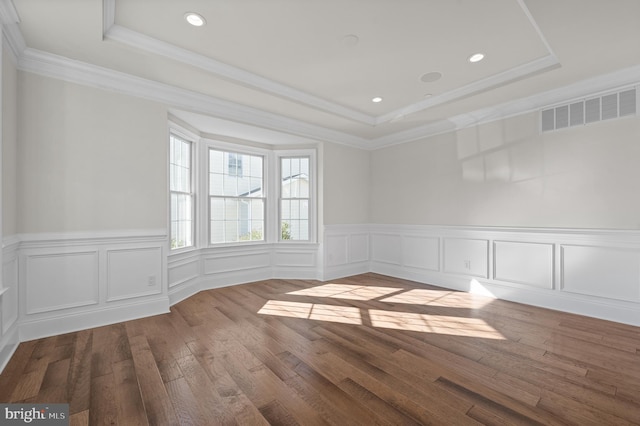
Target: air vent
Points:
(605, 107)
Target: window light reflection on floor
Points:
(313, 311)
(438, 324)
(346, 291)
(449, 299)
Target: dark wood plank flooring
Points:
(364, 350)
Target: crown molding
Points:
(120, 34)
(545, 63)
(10, 31)
(573, 92)
(14, 40)
(8, 13)
(78, 72)
(140, 41)
(123, 35)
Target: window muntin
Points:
(295, 198)
(236, 197)
(181, 192)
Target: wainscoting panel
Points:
(295, 261)
(9, 333)
(358, 248)
(134, 273)
(607, 272)
(55, 281)
(9, 299)
(235, 261)
(524, 263)
(73, 281)
(290, 258)
(346, 251)
(588, 272)
(338, 250)
(466, 257)
(184, 275)
(183, 271)
(421, 252)
(387, 248)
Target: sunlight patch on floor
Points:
(409, 321)
(345, 291)
(439, 324)
(313, 311)
(449, 299)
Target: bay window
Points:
(235, 194)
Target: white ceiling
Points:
(310, 68)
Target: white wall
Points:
(85, 192)
(346, 184)
(88, 159)
(9, 144)
(506, 174)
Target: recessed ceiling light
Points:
(376, 99)
(476, 57)
(195, 19)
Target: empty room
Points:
(351, 212)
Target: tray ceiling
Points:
(320, 64)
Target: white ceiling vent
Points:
(605, 107)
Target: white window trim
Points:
(209, 144)
(191, 138)
(200, 188)
(313, 191)
(206, 145)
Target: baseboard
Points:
(336, 272)
(299, 274)
(183, 291)
(226, 279)
(8, 345)
(70, 322)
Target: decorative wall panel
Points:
(524, 263)
(55, 281)
(608, 272)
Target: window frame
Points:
(190, 139)
(201, 212)
(309, 153)
(236, 150)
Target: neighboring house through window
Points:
(236, 197)
(235, 164)
(295, 198)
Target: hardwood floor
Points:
(362, 350)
